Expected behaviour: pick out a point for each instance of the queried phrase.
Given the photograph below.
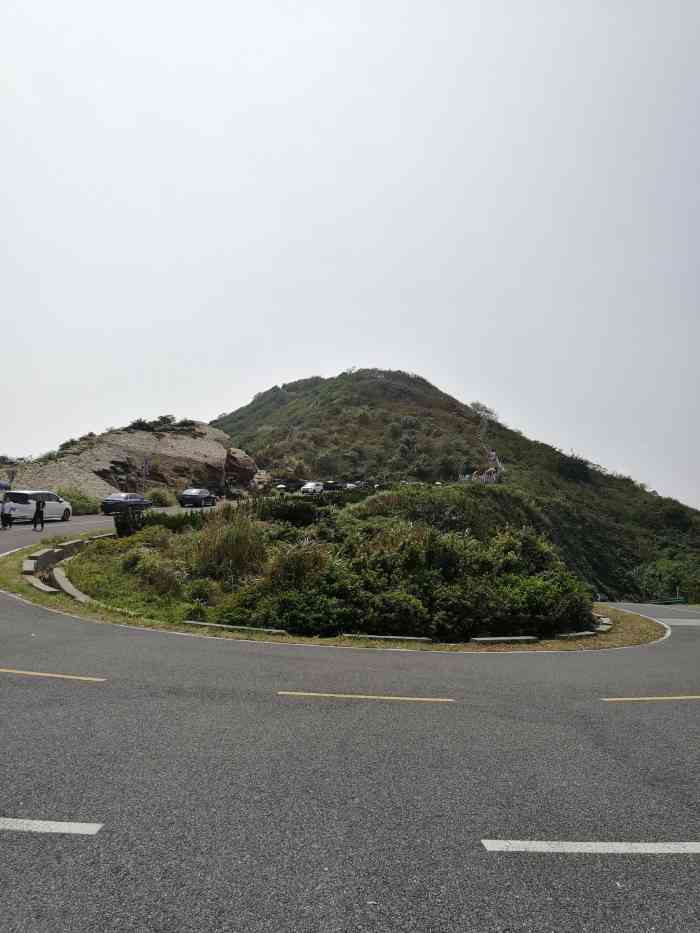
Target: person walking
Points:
(6, 510)
(39, 514)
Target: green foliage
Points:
(161, 496)
(574, 468)
(292, 509)
(128, 522)
(229, 550)
(604, 525)
(159, 573)
(164, 424)
(372, 567)
(202, 591)
(81, 503)
(668, 576)
(177, 521)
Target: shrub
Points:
(155, 536)
(128, 522)
(296, 566)
(296, 511)
(81, 503)
(574, 468)
(177, 522)
(399, 613)
(202, 591)
(131, 558)
(159, 573)
(161, 496)
(196, 612)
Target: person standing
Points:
(39, 514)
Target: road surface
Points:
(196, 785)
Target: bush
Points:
(574, 468)
(161, 496)
(128, 522)
(202, 591)
(131, 558)
(159, 573)
(294, 510)
(81, 503)
(177, 522)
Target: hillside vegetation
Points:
(386, 426)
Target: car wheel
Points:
(66, 515)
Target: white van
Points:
(311, 489)
(21, 505)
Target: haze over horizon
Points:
(499, 197)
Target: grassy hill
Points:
(387, 426)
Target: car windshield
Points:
(194, 492)
(118, 495)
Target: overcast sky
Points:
(199, 201)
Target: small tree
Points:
(483, 411)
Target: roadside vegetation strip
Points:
(592, 848)
(90, 680)
(629, 629)
(361, 696)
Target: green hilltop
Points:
(386, 426)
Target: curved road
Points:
(217, 803)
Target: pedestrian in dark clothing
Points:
(39, 513)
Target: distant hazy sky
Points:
(201, 200)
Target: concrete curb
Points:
(574, 635)
(504, 639)
(48, 559)
(387, 637)
(62, 581)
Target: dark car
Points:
(196, 498)
(121, 501)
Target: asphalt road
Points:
(22, 534)
(225, 806)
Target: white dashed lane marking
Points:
(595, 848)
(49, 826)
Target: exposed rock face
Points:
(114, 461)
(240, 468)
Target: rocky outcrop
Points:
(240, 468)
(200, 456)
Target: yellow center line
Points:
(646, 699)
(363, 696)
(90, 680)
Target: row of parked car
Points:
(315, 488)
(19, 505)
(189, 498)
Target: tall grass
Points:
(229, 548)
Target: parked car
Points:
(311, 489)
(22, 505)
(196, 498)
(351, 485)
(121, 501)
(332, 486)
